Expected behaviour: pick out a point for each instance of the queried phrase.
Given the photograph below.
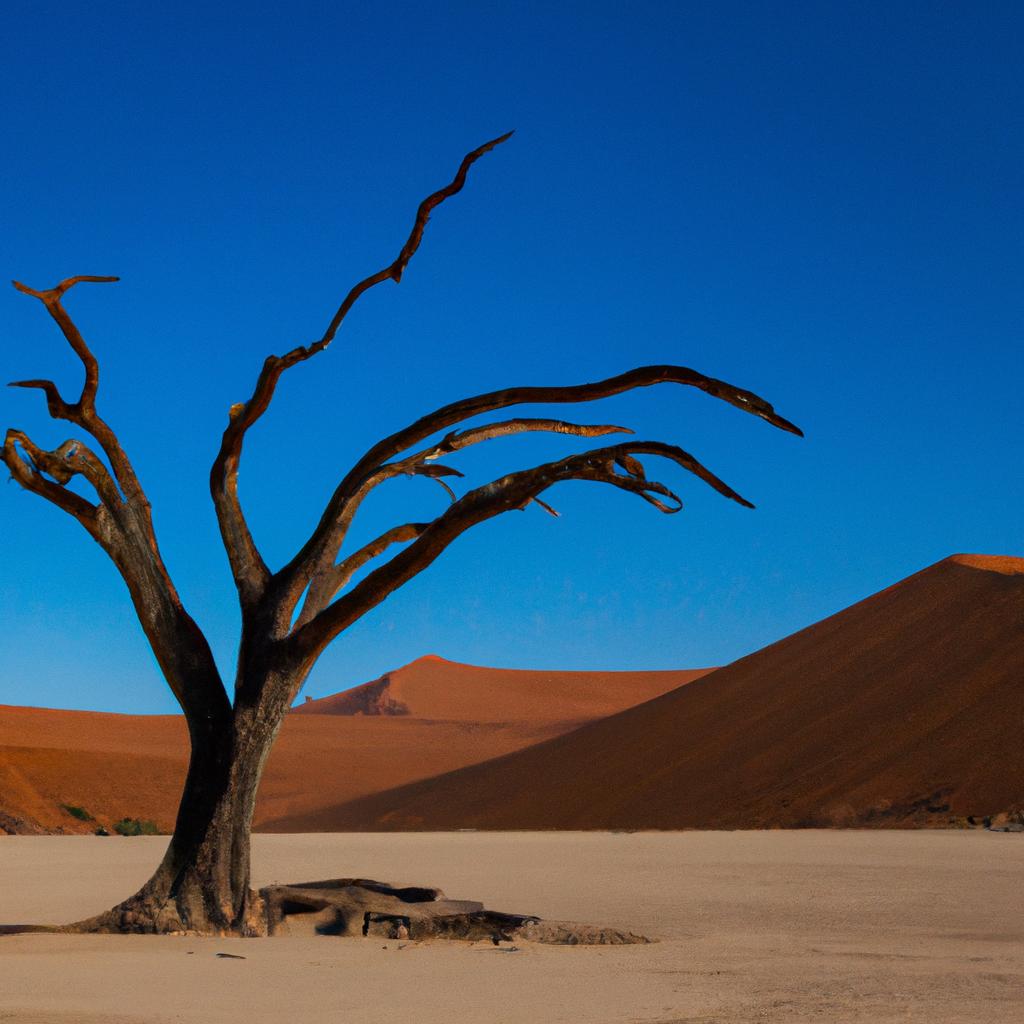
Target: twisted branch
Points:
(28, 471)
(70, 459)
(251, 573)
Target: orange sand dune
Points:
(905, 709)
(441, 690)
(118, 766)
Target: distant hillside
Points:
(440, 690)
(115, 766)
(904, 710)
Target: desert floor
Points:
(754, 926)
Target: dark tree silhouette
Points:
(290, 615)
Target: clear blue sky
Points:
(820, 202)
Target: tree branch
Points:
(28, 471)
(72, 458)
(251, 573)
(514, 491)
(55, 404)
(122, 521)
(322, 545)
(83, 412)
(328, 584)
(50, 298)
(422, 463)
(644, 376)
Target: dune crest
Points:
(1008, 565)
(436, 689)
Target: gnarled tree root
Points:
(360, 906)
(348, 907)
(146, 914)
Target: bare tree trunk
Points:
(203, 882)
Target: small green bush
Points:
(135, 827)
(78, 812)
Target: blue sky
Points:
(820, 202)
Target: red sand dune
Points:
(129, 765)
(904, 710)
(436, 689)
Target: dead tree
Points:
(290, 615)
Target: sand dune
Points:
(115, 766)
(440, 690)
(905, 709)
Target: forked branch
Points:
(616, 465)
(331, 582)
(322, 584)
(50, 298)
(82, 412)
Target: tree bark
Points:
(203, 882)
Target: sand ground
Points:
(754, 926)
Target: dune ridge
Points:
(436, 689)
